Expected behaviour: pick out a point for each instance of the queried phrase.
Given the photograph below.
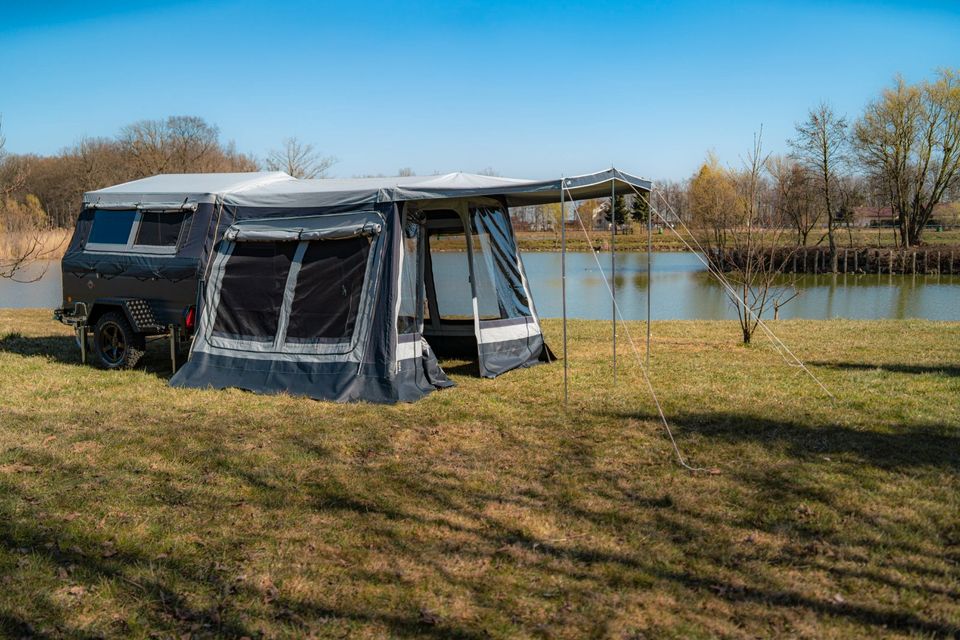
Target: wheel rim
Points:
(113, 346)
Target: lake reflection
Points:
(681, 290)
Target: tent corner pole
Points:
(563, 288)
(649, 273)
(613, 266)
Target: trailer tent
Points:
(327, 288)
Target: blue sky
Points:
(532, 89)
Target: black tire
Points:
(115, 345)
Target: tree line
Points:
(901, 154)
(51, 187)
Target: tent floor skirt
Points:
(336, 382)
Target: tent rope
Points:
(636, 351)
(779, 346)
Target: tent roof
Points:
(524, 192)
(193, 185)
(277, 189)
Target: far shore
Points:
(54, 242)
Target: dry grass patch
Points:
(48, 245)
(130, 509)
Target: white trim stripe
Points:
(510, 332)
(409, 350)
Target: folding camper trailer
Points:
(332, 289)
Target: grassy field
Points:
(668, 240)
(130, 509)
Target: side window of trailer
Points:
(159, 229)
(133, 231)
(111, 227)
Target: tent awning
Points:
(278, 190)
(524, 192)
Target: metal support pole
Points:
(649, 272)
(563, 287)
(613, 266)
(82, 336)
(173, 348)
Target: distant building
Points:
(945, 214)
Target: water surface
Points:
(681, 289)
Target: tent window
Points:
(410, 285)
(488, 304)
(451, 276)
(160, 229)
(112, 227)
(251, 291)
(495, 260)
(329, 287)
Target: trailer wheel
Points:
(115, 344)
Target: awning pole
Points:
(563, 286)
(613, 267)
(649, 273)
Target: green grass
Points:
(130, 509)
(668, 240)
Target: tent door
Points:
(450, 326)
(478, 300)
(507, 329)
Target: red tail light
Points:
(191, 318)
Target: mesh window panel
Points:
(327, 296)
(160, 229)
(497, 258)
(488, 303)
(252, 289)
(451, 276)
(111, 227)
(410, 285)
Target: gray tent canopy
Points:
(327, 288)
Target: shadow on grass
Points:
(422, 516)
(448, 516)
(163, 586)
(911, 445)
(60, 348)
(613, 570)
(83, 563)
(461, 367)
(941, 370)
(64, 350)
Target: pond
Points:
(681, 290)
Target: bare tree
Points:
(299, 160)
(489, 171)
(12, 175)
(22, 219)
(851, 193)
(821, 144)
(730, 222)
(178, 144)
(406, 172)
(675, 194)
(909, 140)
(794, 196)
